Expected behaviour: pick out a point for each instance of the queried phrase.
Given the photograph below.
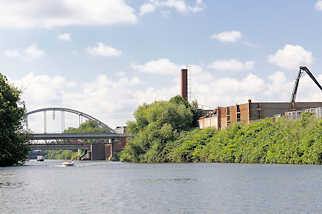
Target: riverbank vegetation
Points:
(13, 147)
(165, 132)
(62, 155)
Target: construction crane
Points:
(296, 85)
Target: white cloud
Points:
(34, 52)
(12, 53)
(318, 5)
(65, 36)
(228, 36)
(147, 8)
(160, 66)
(179, 5)
(109, 100)
(60, 13)
(103, 50)
(291, 56)
(212, 91)
(232, 65)
(31, 52)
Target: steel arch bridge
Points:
(79, 113)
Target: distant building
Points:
(121, 129)
(246, 113)
(210, 120)
(296, 115)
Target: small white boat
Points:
(66, 163)
(40, 158)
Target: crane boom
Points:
(302, 68)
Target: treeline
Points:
(165, 132)
(62, 155)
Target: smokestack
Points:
(184, 83)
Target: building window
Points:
(228, 115)
(238, 113)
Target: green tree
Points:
(156, 125)
(193, 106)
(13, 147)
(86, 127)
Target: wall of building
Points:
(233, 114)
(263, 110)
(208, 122)
(250, 112)
(296, 115)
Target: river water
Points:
(113, 187)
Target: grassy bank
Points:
(283, 142)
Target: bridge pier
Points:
(98, 151)
(114, 146)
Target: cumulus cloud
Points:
(232, 65)
(147, 8)
(109, 100)
(30, 52)
(318, 5)
(223, 91)
(60, 13)
(212, 91)
(103, 50)
(291, 56)
(12, 53)
(65, 36)
(160, 66)
(228, 36)
(179, 5)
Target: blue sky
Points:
(106, 57)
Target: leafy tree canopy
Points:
(13, 148)
(157, 124)
(177, 113)
(86, 127)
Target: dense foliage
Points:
(62, 155)
(86, 127)
(13, 148)
(267, 141)
(166, 132)
(157, 124)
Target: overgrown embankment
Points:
(165, 132)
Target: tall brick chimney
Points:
(184, 83)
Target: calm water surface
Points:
(112, 187)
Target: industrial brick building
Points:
(246, 113)
(222, 117)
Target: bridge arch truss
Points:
(79, 113)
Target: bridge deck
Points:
(58, 146)
(65, 136)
